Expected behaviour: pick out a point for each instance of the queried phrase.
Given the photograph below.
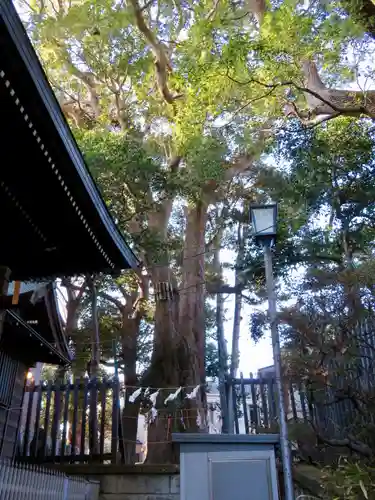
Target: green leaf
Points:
(364, 490)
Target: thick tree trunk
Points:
(164, 369)
(163, 373)
(129, 423)
(191, 313)
(72, 312)
(191, 310)
(129, 416)
(163, 365)
(178, 356)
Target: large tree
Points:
(111, 66)
(172, 102)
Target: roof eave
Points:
(64, 359)
(26, 51)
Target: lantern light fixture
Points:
(264, 222)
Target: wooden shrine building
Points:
(54, 222)
(32, 331)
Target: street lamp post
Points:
(264, 229)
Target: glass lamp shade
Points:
(263, 218)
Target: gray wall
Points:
(130, 482)
(140, 487)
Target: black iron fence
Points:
(81, 422)
(254, 405)
(343, 405)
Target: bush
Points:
(349, 481)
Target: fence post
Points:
(115, 420)
(3, 467)
(87, 490)
(66, 488)
(230, 405)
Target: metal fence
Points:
(31, 482)
(255, 404)
(346, 403)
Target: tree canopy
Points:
(189, 111)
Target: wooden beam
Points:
(16, 293)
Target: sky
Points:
(252, 355)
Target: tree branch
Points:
(181, 21)
(338, 101)
(162, 64)
(125, 294)
(86, 77)
(158, 218)
(212, 13)
(330, 99)
(147, 5)
(113, 300)
(349, 442)
(220, 288)
(70, 287)
(245, 162)
(241, 108)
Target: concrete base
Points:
(140, 487)
(162, 482)
(131, 482)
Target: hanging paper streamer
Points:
(182, 421)
(153, 414)
(172, 396)
(199, 420)
(152, 397)
(214, 421)
(193, 394)
(135, 395)
(138, 392)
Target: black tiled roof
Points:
(56, 223)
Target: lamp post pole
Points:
(284, 443)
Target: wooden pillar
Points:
(4, 284)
